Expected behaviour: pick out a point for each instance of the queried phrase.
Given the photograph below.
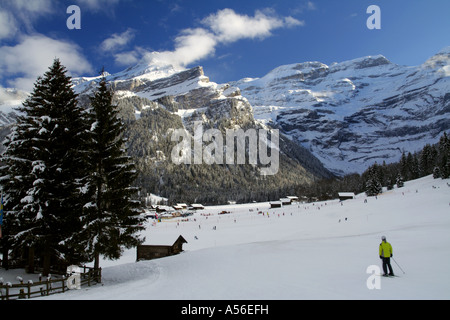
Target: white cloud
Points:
(32, 57)
(225, 26)
(31, 54)
(230, 26)
(311, 5)
(128, 58)
(20, 14)
(35, 7)
(117, 41)
(8, 25)
(292, 22)
(190, 46)
(302, 7)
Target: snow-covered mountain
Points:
(348, 114)
(156, 100)
(353, 113)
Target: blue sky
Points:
(230, 39)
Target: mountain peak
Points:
(147, 70)
(444, 51)
(364, 62)
(440, 60)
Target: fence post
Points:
(7, 292)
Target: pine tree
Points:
(400, 181)
(444, 155)
(436, 172)
(111, 219)
(426, 160)
(46, 164)
(404, 169)
(373, 182)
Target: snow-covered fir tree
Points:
(399, 181)
(45, 168)
(444, 161)
(373, 182)
(111, 220)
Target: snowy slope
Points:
(307, 253)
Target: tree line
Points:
(67, 179)
(432, 159)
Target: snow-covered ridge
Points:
(356, 112)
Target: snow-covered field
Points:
(302, 251)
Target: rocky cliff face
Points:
(155, 102)
(354, 113)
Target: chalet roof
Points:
(346, 194)
(163, 240)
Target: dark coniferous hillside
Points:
(149, 143)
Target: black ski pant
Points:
(386, 265)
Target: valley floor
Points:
(318, 250)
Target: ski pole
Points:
(398, 265)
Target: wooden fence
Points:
(46, 287)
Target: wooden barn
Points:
(159, 249)
(275, 204)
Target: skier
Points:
(385, 252)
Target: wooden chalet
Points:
(197, 206)
(275, 204)
(159, 249)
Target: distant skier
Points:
(386, 254)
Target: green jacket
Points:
(385, 249)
